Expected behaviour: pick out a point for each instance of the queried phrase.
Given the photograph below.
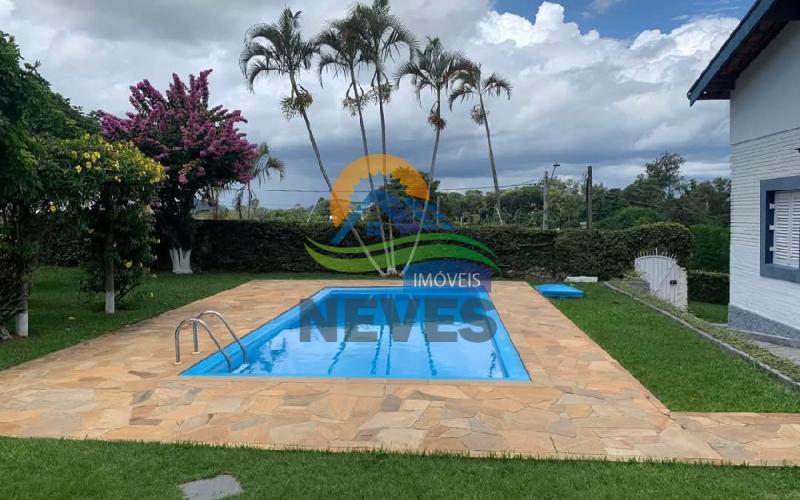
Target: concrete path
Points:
(790, 353)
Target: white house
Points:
(758, 70)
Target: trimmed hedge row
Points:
(711, 248)
(713, 288)
(271, 246)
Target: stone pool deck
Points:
(580, 402)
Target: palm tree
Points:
(472, 84)
(434, 69)
(263, 168)
(286, 53)
(343, 56)
(382, 36)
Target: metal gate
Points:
(667, 280)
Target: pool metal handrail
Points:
(195, 322)
(230, 330)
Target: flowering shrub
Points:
(106, 191)
(200, 147)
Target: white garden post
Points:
(181, 260)
(108, 274)
(22, 318)
(110, 295)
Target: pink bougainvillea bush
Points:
(199, 146)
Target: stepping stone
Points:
(221, 486)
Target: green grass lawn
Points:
(685, 371)
(713, 313)
(92, 469)
(61, 317)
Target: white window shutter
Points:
(786, 244)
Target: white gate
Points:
(667, 280)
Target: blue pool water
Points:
(381, 332)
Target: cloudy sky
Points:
(599, 82)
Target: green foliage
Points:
(608, 254)
(707, 202)
(105, 190)
(713, 313)
(87, 468)
(665, 172)
(631, 217)
(279, 246)
(684, 370)
(604, 254)
(713, 288)
(17, 98)
(56, 116)
(660, 195)
(711, 249)
(669, 237)
(32, 118)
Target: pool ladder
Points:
(197, 322)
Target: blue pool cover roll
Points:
(560, 291)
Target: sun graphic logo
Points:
(382, 208)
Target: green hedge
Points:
(711, 248)
(713, 288)
(609, 253)
(266, 246)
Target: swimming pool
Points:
(379, 332)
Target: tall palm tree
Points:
(280, 49)
(433, 69)
(472, 84)
(382, 37)
(265, 165)
(342, 54)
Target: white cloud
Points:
(578, 97)
(603, 6)
(6, 8)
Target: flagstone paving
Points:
(579, 403)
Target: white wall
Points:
(766, 158)
(765, 135)
(767, 95)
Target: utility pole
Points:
(589, 214)
(546, 194)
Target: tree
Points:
(56, 116)
(342, 54)
(263, 168)
(31, 117)
(18, 185)
(472, 84)
(644, 192)
(606, 201)
(280, 49)
(433, 69)
(706, 202)
(106, 190)
(382, 37)
(199, 146)
(665, 171)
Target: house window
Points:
(780, 228)
(786, 229)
